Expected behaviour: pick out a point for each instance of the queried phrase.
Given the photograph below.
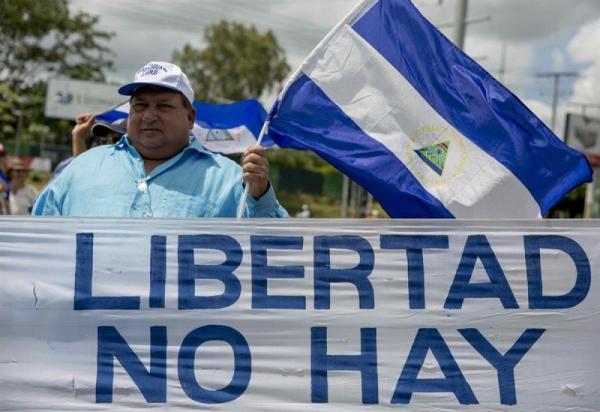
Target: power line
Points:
(556, 76)
(584, 106)
(296, 34)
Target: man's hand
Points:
(83, 127)
(255, 168)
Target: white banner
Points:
(299, 315)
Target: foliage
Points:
(8, 100)
(238, 63)
(321, 206)
(41, 37)
(571, 206)
(294, 159)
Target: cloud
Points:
(536, 33)
(583, 49)
(585, 44)
(158, 28)
(533, 20)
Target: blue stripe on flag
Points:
(337, 139)
(112, 115)
(249, 113)
(473, 101)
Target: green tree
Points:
(8, 119)
(237, 63)
(41, 38)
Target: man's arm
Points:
(83, 127)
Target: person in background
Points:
(109, 132)
(89, 133)
(22, 196)
(304, 213)
(4, 183)
(373, 214)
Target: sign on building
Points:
(66, 98)
(583, 134)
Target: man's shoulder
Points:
(93, 156)
(87, 165)
(97, 152)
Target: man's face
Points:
(159, 123)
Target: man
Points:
(4, 183)
(158, 169)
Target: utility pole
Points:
(556, 76)
(503, 64)
(460, 22)
(345, 196)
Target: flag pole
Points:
(242, 205)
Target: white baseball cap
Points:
(160, 74)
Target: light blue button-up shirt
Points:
(111, 181)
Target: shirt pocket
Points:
(184, 205)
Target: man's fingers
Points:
(255, 167)
(254, 158)
(84, 117)
(256, 149)
(90, 120)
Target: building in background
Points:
(583, 133)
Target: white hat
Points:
(160, 74)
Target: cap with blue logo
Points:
(160, 74)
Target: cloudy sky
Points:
(537, 36)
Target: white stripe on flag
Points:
(378, 99)
(225, 141)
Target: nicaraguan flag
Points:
(393, 104)
(230, 128)
(221, 128)
(119, 112)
